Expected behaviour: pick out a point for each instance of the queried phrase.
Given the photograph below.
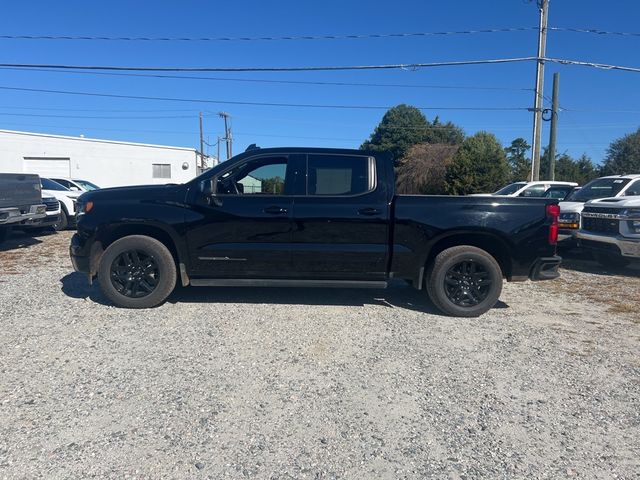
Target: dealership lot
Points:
(268, 383)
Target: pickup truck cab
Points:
(617, 186)
(611, 230)
(294, 217)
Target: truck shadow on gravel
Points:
(398, 295)
(19, 239)
(581, 261)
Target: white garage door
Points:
(48, 167)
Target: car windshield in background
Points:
(600, 188)
(48, 184)
(87, 185)
(509, 189)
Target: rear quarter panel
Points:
(516, 226)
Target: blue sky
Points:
(590, 96)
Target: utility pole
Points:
(554, 126)
(227, 134)
(543, 6)
(201, 144)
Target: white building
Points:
(106, 163)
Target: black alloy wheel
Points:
(134, 274)
(464, 281)
(467, 283)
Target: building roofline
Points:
(96, 140)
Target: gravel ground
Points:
(265, 383)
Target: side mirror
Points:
(74, 189)
(208, 194)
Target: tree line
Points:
(438, 158)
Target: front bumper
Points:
(627, 247)
(48, 221)
(546, 268)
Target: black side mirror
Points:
(208, 195)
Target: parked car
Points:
(76, 185)
(321, 218)
(611, 230)
(67, 200)
(20, 201)
(542, 189)
(611, 186)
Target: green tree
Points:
(519, 164)
(443, 133)
(479, 166)
(568, 169)
(587, 171)
(623, 155)
(404, 126)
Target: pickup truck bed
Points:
(310, 217)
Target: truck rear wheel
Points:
(137, 272)
(464, 281)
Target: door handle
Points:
(368, 211)
(275, 210)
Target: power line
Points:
(286, 82)
(602, 66)
(393, 66)
(594, 31)
(104, 117)
(266, 38)
(232, 102)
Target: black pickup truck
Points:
(297, 217)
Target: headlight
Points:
(569, 217)
(569, 220)
(82, 208)
(631, 213)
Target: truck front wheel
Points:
(464, 281)
(137, 272)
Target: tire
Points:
(610, 260)
(464, 281)
(63, 222)
(137, 272)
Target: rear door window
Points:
(534, 191)
(340, 175)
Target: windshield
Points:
(599, 188)
(51, 185)
(509, 189)
(87, 185)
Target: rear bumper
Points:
(546, 268)
(13, 216)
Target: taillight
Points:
(553, 211)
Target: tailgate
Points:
(19, 190)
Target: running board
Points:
(259, 282)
